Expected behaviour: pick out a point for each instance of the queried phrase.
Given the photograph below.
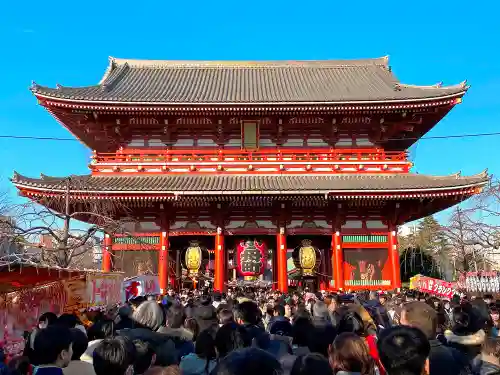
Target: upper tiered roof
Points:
(248, 82)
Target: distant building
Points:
(91, 258)
(405, 230)
(8, 244)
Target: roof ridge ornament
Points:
(483, 174)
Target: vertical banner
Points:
(76, 294)
(141, 286)
(414, 281)
(104, 290)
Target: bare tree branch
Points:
(473, 231)
(50, 224)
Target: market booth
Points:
(28, 290)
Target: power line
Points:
(459, 136)
(37, 138)
(451, 136)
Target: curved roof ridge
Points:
(456, 175)
(16, 177)
(36, 88)
(52, 178)
(484, 174)
(462, 85)
(145, 63)
(114, 77)
(109, 69)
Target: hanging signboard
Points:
(141, 286)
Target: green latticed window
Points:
(153, 240)
(367, 282)
(360, 238)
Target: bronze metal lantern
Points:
(193, 258)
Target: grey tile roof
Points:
(196, 183)
(198, 82)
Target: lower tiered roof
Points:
(197, 184)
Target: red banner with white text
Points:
(436, 287)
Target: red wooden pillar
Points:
(323, 269)
(219, 272)
(337, 261)
(282, 261)
(394, 257)
(106, 254)
(163, 263)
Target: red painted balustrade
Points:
(136, 156)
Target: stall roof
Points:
(18, 275)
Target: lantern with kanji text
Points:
(251, 258)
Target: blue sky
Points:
(69, 43)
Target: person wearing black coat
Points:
(324, 331)
(443, 360)
(248, 315)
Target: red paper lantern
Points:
(251, 258)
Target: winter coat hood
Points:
(191, 364)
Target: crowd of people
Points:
(264, 332)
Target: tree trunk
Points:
(64, 258)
